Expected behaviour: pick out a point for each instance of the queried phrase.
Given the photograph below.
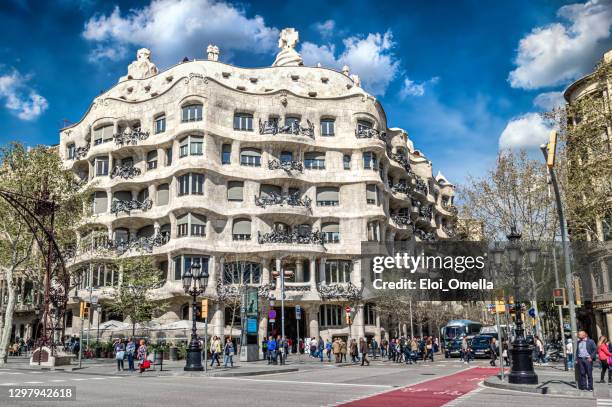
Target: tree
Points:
(133, 297)
(25, 171)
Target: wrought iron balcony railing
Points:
(421, 186)
(450, 208)
(295, 128)
(401, 220)
(401, 188)
(426, 212)
(130, 138)
(286, 165)
(401, 160)
(125, 171)
(288, 199)
(361, 132)
(80, 152)
(314, 237)
(143, 243)
(347, 291)
(425, 236)
(127, 206)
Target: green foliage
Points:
(133, 298)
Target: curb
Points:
(525, 388)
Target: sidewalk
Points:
(552, 380)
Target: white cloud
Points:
(549, 100)
(411, 88)
(526, 131)
(369, 57)
(560, 52)
(173, 29)
(21, 100)
(325, 28)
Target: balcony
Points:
(366, 132)
(143, 243)
(80, 152)
(425, 236)
(426, 212)
(401, 160)
(421, 186)
(281, 200)
(131, 205)
(401, 188)
(294, 128)
(125, 171)
(339, 291)
(286, 165)
(401, 220)
(130, 138)
(291, 237)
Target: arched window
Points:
(338, 271)
(331, 232)
(241, 272)
(241, 229)
(314, 160)
(250, 157)
(328, 196)
(191, 145)
(163, 194)
(191, 112)
(330, 315)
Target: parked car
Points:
(481, 346)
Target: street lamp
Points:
(195, 280)
(522, 364)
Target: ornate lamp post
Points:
(194, 282)
(522, 364)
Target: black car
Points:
(481, 346)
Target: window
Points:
(192, 113)
(241, 272)
(70, 151)
(330, 315)
(152, 160)
(241, 230)
(371, 194)
(160, 124)
(101, 166)
(168, 157)
(191, 224)
(363, 125)
(234, 190)
(327, 127)
(250, 157)
(269, 191)
(143, 194)
(103, 134)
(100, 202)
(286, 156)
(331, 232)
(163, 194)
(292, 122)
(369, 314)
(346, 160)
(243, 122)
(369, 161)
(314, 160)
(184, 262)
(373, 232)
(338, 271)
(327, 196)
(226, 154)
(191, 184)
(185, 312)
(191, 145)
(127, 162)
(122, 235)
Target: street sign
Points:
(272, 315)
(298, 312)
(94, 300)
(251, 325)
(348, 309)
(559, 297)
(532, 312)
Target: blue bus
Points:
(453, 332)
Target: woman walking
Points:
(493, 352)
(142, 356)
(119, 348)
(228, 353)
(363, 348)
(130, 349)
(604, 354)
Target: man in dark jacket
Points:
(585, 355)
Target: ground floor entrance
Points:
(292, 326)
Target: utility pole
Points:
(560, 307)
(549, 151)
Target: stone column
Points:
(218, 321)
(313, 279)
(358, 326)
(313, 321)
(265, 277)
(299, 271)
(215, 274)
(356, 273)
(378, 333)
(322, 270)
(609, 323)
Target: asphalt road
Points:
(313, 385)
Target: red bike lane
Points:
(432, 393)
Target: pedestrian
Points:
(363, 348)
(328, 349)
(374, 346)
(215, 351)
(264, 348)
(320, 348)
(336, 347)
(505, 352)
(429, 348)
(342, 350)
(141, 355)
(569, 353)
(353, 350)
(539, 346)
(283, 349)
(130, 350)
(119, 349)
(585, 355)
(228, 353)
(271, 350)
(604, 359)
(313, 347)
(383, 347)
(466, 351)
(290, 345)
(494, 354)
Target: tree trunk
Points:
(133, 329)
(8, 316)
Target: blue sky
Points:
(462, 77)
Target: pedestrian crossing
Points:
(459, 401)
(604, 402)
(12, 378)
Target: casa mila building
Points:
(255, 174)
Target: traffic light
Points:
(204, 313)
(84, 312)
(551, 148)
(559, 297)
(348, 319)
